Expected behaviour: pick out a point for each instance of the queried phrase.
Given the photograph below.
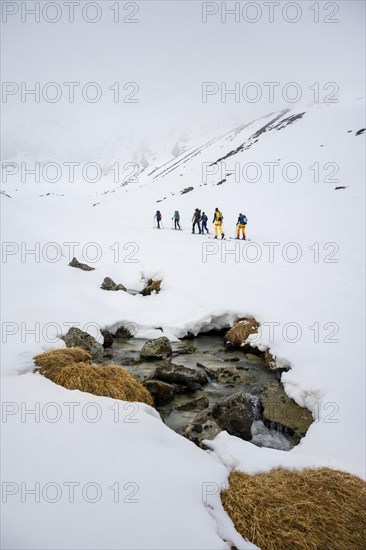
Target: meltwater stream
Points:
(207, 349)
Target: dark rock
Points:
(123, 333)
(189, 336)
(78, 338)
(161, 391)
(156, 349)
(75, 263)
(199, 403)
(281, 412)
(109, 284)
(359, 132)
(190, 379)
(234, 415)
(107, 338)
(186, 190)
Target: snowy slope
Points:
(204, 283)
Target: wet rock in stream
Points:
(107, 338)
(198, 403)
(224, 373)
(188, 379)
(162, 392)
(160, 348)
(283, 413)
(234, 414)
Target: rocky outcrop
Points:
(160, 348)
(188, 379)
(234, 414)
(78, 338)
(75, 263)
(109, 284)
(281, 412)
(162, 392)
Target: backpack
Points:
(219, 216)
(243, 219)
(158, 215)
(204, 218)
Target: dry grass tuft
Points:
(150, 287)
(72, 370)
(61, 358)
(110, 381)
(313, 509)
(269, 359)
(238, 333)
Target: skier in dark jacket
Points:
(176, 218)
(196, 220)
(204, 220)
(158, 217)
(240, 226)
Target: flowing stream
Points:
(207, 349)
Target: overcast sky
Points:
(169, 52)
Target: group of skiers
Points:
(200, 220)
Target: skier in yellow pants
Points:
(240, 226)
(217, 220)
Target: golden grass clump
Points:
(151, 286)
(313, 509)
(60, 358)
(238, 333)
(110, 381)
